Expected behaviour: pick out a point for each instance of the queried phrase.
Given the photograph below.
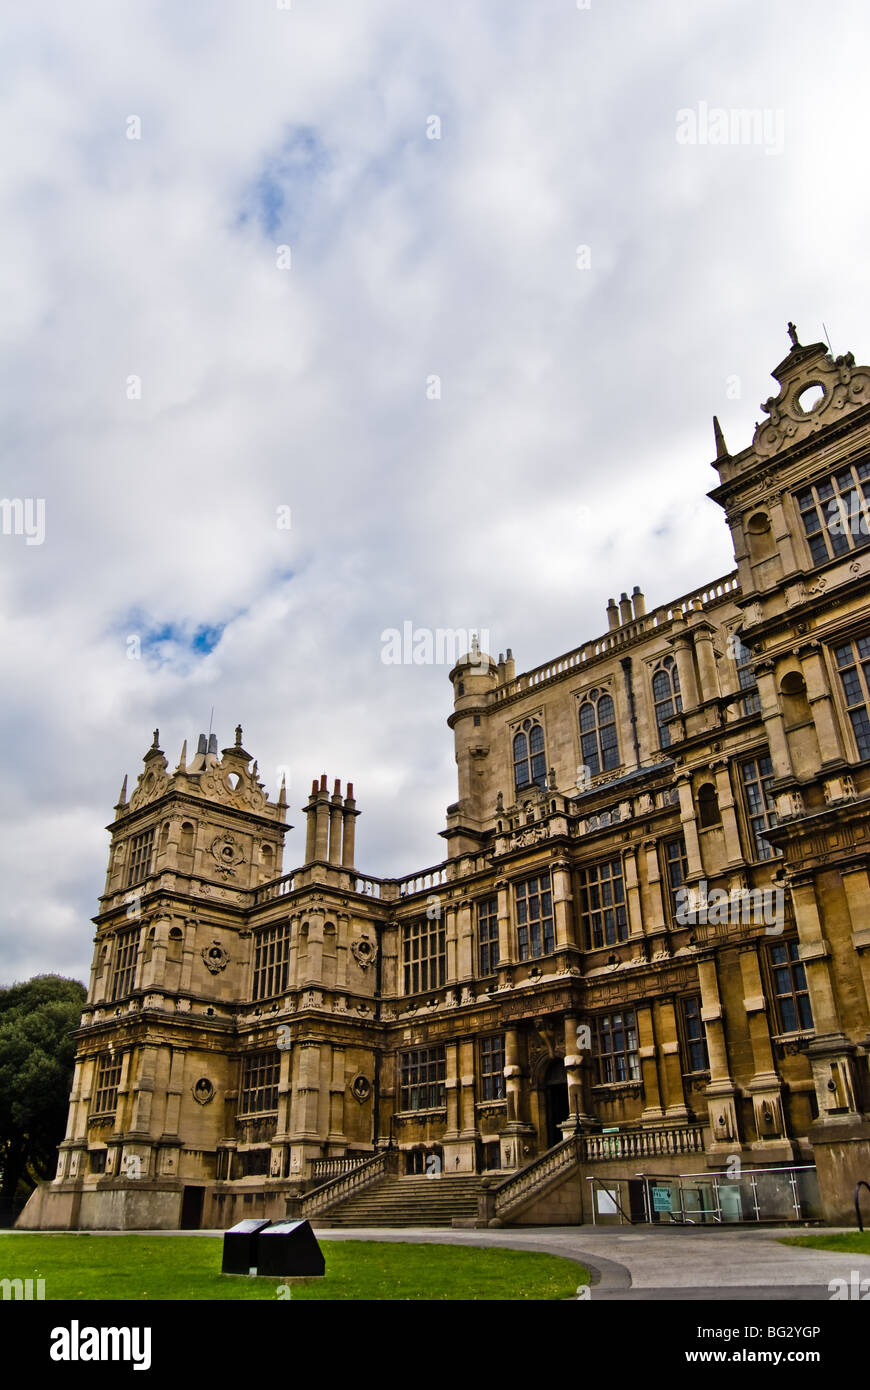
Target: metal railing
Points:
(786, 1194)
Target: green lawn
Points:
(850, 1243)
(188, 1267)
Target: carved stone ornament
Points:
(364, 952)
(215, 957)
(361, 1089)
(227, 854)
(203, 1090)
(842, 387)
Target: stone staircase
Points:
(418, 1201)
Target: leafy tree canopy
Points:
(37, 1021)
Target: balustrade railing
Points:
(643, 1143)
(362, 1175)
(324, 1169)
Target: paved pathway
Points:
(746, 1264)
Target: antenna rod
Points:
(210, 719)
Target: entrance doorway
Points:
(191, 1208)
(555, 1100)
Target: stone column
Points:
(654, 885)
(466, 964)
(821, 703)
(143, 1090)
(840, 1136)
(705, 652)
(689, 827)
(306, 1092)
(458, 1140)
(670, 1062)
(721, 1092)
(88, 1093)
(563, 916)
(781, 533)
(646, 1052)
(681, 643)
(314, 960)
(515, 1133)
(765, 1087)
(174, 1093)
(506, 955)
(467, 1112)
(632, 893)
(285, 1092)
(856, 885)
(187, 955)
(451, 942)
(774, 723)
(730, 827)
(336, 1136)
(578, 1057)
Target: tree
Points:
(37, 1020)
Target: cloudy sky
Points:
(240, 242)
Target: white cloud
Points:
(562, 389)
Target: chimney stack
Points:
(335, 820)
(350, 813)
(612, 615)
(624, 608)
(638, 602)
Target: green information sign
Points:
(661, 1198)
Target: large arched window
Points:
(666, 697)
(599, 748)
(530, 762)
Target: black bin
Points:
(290, 1248)
(240, 1247)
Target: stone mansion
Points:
(647, 949)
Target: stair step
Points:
(408, 1201)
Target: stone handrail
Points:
(610, 642)
(277, 888)
(362, 1175)
(643, 1143)
(532, 1179)
(324, 1169)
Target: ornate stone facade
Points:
(653, 916)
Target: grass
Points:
(148, 1268)
(850, 1242)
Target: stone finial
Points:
(721, 447)
(238, 735)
